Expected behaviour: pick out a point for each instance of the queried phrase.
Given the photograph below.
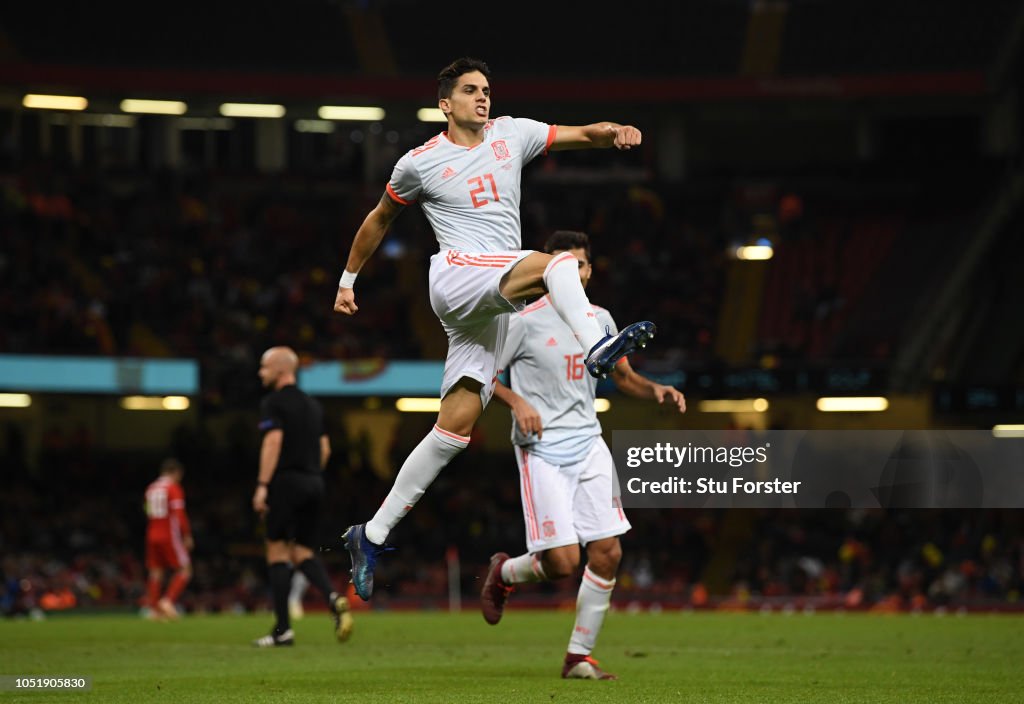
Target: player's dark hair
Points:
(170, 465)
(449, 75)
(566, 240)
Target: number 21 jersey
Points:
(471, 195)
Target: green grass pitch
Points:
(439, 657)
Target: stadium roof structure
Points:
(665, 52)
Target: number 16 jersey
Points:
(546, 366)
(471, 195)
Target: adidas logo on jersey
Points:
(448, 172)
(552, 342)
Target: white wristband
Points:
(348, 280)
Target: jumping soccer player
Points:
(565, 468)
(467, 180)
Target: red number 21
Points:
(480, 188)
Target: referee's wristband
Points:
(348, 280)
(263, 484)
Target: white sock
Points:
(562, 279)
(299, 586)
(422, 465)
(523, 569)
(591, 605)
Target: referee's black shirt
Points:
(302, 420)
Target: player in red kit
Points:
(168, 539)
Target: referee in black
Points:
(290, 492)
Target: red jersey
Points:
(165, 506)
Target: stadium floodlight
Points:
(601, 405)
(155, 403)
(54, 102)
(418, 405)
(755, 252)
(1008, 430)
(265, 110)
(852, 404)
(430, 115)
(15, 400)
(154, 107)
(350, 112)
(733, 405)
(314, 126)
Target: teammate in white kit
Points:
(466, 179)
(565, 468)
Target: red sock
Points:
(154, 591)
(177, 585)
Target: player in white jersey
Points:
(466, 179)
(565, 468)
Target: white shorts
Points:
(465, 296)
(569, 504)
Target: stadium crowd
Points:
(158, 264)
(219, 267)
(72, 535)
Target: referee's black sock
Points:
(280, 585)
(317, 576)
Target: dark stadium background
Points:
(876, 145)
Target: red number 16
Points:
(574, 366)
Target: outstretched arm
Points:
(599, 135)
(632, 384)
(368, 237)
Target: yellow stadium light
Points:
(601, 405)
(155, 403)
(15, 400)
(55, 102)
(754, 252)
(418, 405)
(733, 405)
(852, 404)
(314, 126)
(430, 115)
(1006, 430)
(154, 107)
(350, 112)
(252, 110)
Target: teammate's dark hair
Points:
(449, 75)
(566, 240)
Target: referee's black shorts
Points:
(294, 502)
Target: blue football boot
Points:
(364, 559)
(610, 349)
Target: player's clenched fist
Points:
(345, 302)
(626, 137)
